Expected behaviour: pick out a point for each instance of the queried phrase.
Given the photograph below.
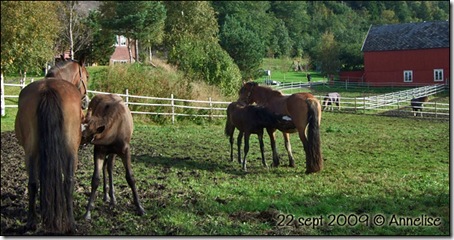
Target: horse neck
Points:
(65, 73)
(264, 95)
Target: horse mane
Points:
(266, 90)
(58, 66)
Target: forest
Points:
(216, 41)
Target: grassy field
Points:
(282, 71)
(374, 167)
(382, 176)
(368, 171)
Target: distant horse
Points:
(417, 104)
(330, 99)
(249, 119)
(304, 110)
(48, 127)
(109, 126)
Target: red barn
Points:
(409, 54)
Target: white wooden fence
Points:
(397, 103)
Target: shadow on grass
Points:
(188, 163)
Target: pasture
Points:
(377, 170)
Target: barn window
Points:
(438, 75)
(408, 76)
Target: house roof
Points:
(407, 36)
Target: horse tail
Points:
(56, 164)
(314, 160)
(229, 127)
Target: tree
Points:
(28, 33)
(136, 20)
(190, 20)
(327, 57)
(280, 42)
(252, 15)
(76, 35)
(243, 45)
(296, 20)
(102, 43)
(191, 37)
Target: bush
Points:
(207, 62)
(160, 82)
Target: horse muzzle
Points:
(85, 102)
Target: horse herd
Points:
(50, 125)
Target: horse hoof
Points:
(141, 211)
(291, 165)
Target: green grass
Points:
(282, 71)
(373, 165)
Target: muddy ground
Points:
(14, 195)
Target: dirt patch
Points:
(14, 192)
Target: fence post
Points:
(364, 98)
(127, 97)
(3, 96)
(436, 112)
(173, 108)
(355, 105)
(211, 109)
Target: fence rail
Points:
(397, 103)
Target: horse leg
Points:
(291, 160)
(110, 165)
(126, 158)
(231, 145)
(32, 189)
(271, 134)
(238, 142)
(99, 158)
(105, 188)
(246, 149)
(69, 189)
(260, 135)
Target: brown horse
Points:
(48, 127)
(109, 125)
(305, 112)
(74, 72)
(250, 119)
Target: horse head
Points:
(245, 93)
(74, 72)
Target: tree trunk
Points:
(129, 50)
(71, 41)
(150, 54)
(137, 49)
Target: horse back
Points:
(26, 124)
(109, 112)
(298, 105)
